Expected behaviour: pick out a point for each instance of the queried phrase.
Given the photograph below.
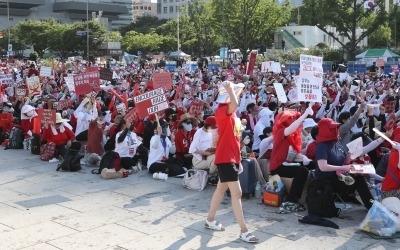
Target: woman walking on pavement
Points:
(227, 160)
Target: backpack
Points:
(320, 199)
(109, 160)
(15, 140)
(35, 144)
(195, 179)
(72, 159)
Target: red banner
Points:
(87, 82)
(63, 104)
(252, 62)
(132, 115)
(162, 80)
(47, 115)
(196, 107)
(150, 102)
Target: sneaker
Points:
(54, 160)
(347, 179)
(288, 207)
(135, 169)
(213, 180)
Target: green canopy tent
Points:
(377, 53)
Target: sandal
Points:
(248, 237)
(347, 179)
(214, 225)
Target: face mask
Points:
(100, 122)
(187, 127)
(30, 113)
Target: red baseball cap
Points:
(210, 121)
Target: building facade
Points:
(169, 9)
(144, 8)
(117, 12)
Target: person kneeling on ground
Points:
(203, 151)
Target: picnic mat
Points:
(394, 236)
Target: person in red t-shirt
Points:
(391, 183)
(28, 114)
(184, 138)
(227, 159)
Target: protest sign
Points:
(63, 104)
(276, 67)
(106, 74)
(280, 92)
(6, 79)
(355, 147)
(20, 91)
(178, 103)
(132, 115)
(34, 86)
(45, 71)
(47, 115)
(252, 62)
(343, 76)
(151, 102)
(380, 62)
(230, 75)
(86, 83)
(163, 79)
(394, 68)
(267, 66)
(353, 88)
(292, 95)
(309, 83)
(196, 107)
(69, 80)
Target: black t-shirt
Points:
(335, 154)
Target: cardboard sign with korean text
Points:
(69, 80)
(64, 104)
(309, 83)
(47, 115)
(34, 85)
(151, 102)
(132, 115)
(380, 62)
(280, 92)
(163, 79)
(87, 82)
(45, 71)
(20, 91)
(6, 79)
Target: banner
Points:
(6, 79)
(150, 102)
(34, 86)
(86, 83)
(162, 80)
(132, 115)
(309, 83)
(45, 71)
(106, 74)
(252, 62)
(47, 115)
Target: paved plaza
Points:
(48, 210)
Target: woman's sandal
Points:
(248, 237)
(214, 225)
(347, 179)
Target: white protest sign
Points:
(45, 71)
(267, 66)
(115, 76)
(69, 80)
(355, 148)
(6, 79)
(353, 88)
(280, 92)
(276, 67)
(309, 83)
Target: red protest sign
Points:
(395, 68)
(163, 79)
(252, 62)
(63, 104)
(151, 102)
(132, 115)
(87, 82)
(47, 115)
(196, 107)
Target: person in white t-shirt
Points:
(266, 119)
(160, 149)
(201, 146)
(126, 144)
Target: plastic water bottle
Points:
(258, 190)
(375, 192)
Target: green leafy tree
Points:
(346, 16)
(133, 41)
(247, 24)
(143, 24)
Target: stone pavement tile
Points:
(384, 244)
(8, 194)
(33, 235)
(90, 187)
(42, 246)
(326, 239)
(163, 220)
(98, 238)
(4, 228)
(95, 218)
(35, 177)
(96, 200)
(37, 215)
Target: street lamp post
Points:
(8, 17)
(87, 30)
(179, 6)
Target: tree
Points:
(346, 16)
(134, 41)
(247, 24)
(143, 24)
